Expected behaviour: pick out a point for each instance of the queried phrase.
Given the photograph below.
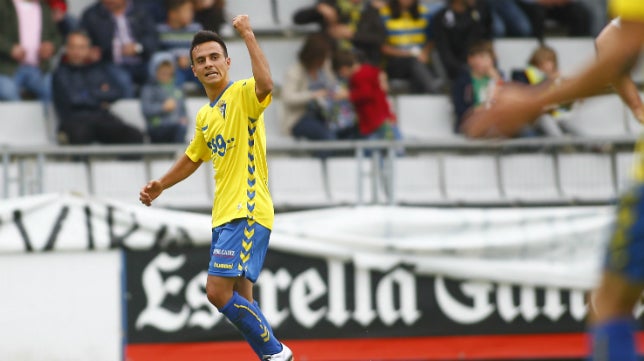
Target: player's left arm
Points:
(259, 64)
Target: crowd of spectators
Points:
(118, 49)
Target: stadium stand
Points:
(301, 184)
(586, 176)
(425, 116)
(471, 178)
(119, 180)
(417, 180)
(350, 181)
(529, 177)
(603, 115)
(27, 124)
(66, 176)
(196, 192)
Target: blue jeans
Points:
(29, 78)
(508, 19)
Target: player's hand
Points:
(169, 105)
(46, 50)
(241, 23)
(512, 108)
(150, 192)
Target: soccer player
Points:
(230, 133)
(612, 325)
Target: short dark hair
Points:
(205, 36)
(315, 50)
(174, 4)
(343, 58)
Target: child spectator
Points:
(543, 66)
(163, 105)
(476, 85)
(367, 92)
(63, 20)
(175, 36)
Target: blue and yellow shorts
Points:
(238, 248)
(625, 254)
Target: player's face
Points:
(210, 65)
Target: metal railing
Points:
(31, 161)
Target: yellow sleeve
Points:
(198, 149)
(250, 97)
(632, 10)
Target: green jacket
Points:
(9, 34)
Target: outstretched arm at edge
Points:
(259, 64)
(179, 171)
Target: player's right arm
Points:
(180, 170)
(624, 85)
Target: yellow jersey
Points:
(406, 32)
(230, 133)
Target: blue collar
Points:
(214, 102)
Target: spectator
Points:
(367, 92)
(542, 67)
(125, 35)
(573, 15)
(509, 19)
(164, 106)
(28, 42)
(350, 23)
(154, 8)
(456, 27)
(308, 87)
(210, 14)
(409, 44)
(476, 85)
(83, 91)
(64, 21)
(175, 36)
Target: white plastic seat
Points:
(603, 115)
(287, 8)
(529, 177)
(194, 192)
(297, 182)
(65, 176)
(625, 163)
(586, 176)
(10, 182)
(24, 124)
(192, 108)
(260, 13)
(129, 110)
(471, 178)
(513, 53)
(417, 180)
(281, 53)
(425, 116)
(118, 180)
(345, 176)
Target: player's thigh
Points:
(614, 298)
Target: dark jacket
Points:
(100, 25)
(462, 97)
(370, 34)
(455, 32)
(9, 35)
(86, 88)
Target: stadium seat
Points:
(10, 181)
(194, 192)
(624, 165)
(586, 176)
(281, 53)
(417, 180)
(513, 53)
(425, 116)
(529, 177)
(66, 176)
(344, 178)
(24, 124)
(471, 178)
(75, 8)
(261, 13)
(129, 110)
(603, 115)
(297, 182)
(118, 180)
